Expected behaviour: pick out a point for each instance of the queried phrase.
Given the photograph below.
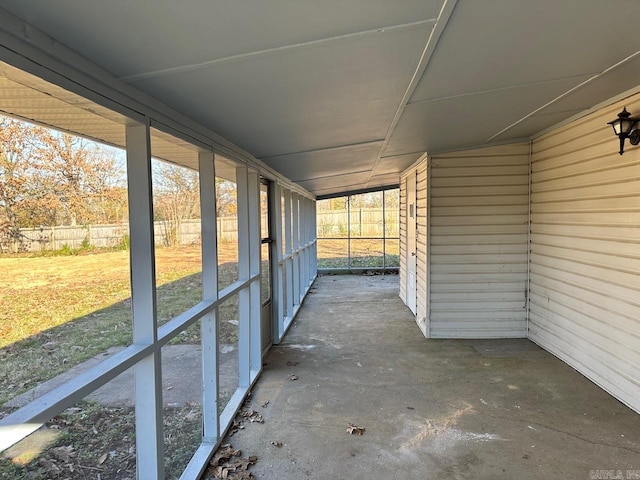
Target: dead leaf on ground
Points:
(102, 458)
(63, 453)
(265, 404)
(291, 363)
(226, 463)
(276, 443)
(355, 430)
(293, 377)
(235, 426)
(251, 415)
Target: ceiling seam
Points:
(396, 155)
(568, 92)
(443, 18)
(501, 89)
(269, 51)
(331, 176)
(323, 149)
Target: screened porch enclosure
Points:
(359, 232)
(267, 251)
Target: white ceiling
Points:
(342, 95)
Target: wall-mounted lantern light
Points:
(623, 127)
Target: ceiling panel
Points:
(322, 163)
(336, 184)
(383, 180)
(503, 43)
(619, 80)
(395, 164)
(317, 97)
(536, 123)
(160, 34)
(470, 120)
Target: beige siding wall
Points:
(403, 239)
(479, 206)
(421, 247)
(585, 252)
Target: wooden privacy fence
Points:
(101, 236)
(365, 222)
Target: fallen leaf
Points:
(235, 426)
(251, 415)
(293, 377)
(276, 443)
(63, 453)
(355, 430)
(227, 464)
(265, 404)
(102, 458)
(292, 364)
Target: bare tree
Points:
(226, 198)
(176, 198)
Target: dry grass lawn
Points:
(58, 311)
(38, 293)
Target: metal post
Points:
(244, 273)
(288, 253)
(296, 247)
(278, 276)
(148, 374)
(349, 232)
(384, 232)
(255, 300)
(208, 323)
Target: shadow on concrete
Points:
(430, 409)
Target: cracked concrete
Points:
(432, 409)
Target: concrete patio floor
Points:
(432, 409)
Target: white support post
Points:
(278, 266)
(288, 254)
(311, 231)
(296, 248)
(244, 273)
(307, 247)
(314, 233)
(148, 373)
(208, 323)
(255, 244)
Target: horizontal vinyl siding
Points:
(403, 240)
(421, 247)
(585, 252)
(479, 207)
